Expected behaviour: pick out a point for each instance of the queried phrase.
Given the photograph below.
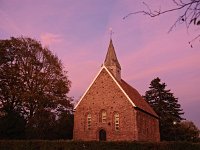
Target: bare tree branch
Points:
(189, 14)
(157, 13)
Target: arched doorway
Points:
(102, 135)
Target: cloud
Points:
(50, 38)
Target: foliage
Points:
(41, 126)
(60, 128)
(166, 106)
(91, 145)
(33, 84)
(12, 126)
(188, 10)
(187, 131)
(64, 126)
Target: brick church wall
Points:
(104, 94)
(148, 127)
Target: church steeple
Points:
(111, 62)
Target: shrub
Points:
(94, 145)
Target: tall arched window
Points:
(103, 116)
(89, 121)
(116, 119)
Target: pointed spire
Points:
(111, 57)
(111, 61)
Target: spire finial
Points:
(111, 32)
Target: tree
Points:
(166, 106)
(32, 81)
(187, 131)
(64, 126)
(12, 126)
(42, 125)
(189, 11)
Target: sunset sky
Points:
(77, 31)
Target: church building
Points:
(112, 110)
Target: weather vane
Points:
(111, 32)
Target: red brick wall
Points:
(148, 127)
(105, 94)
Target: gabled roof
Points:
(135, 96)
(137, 99)
(131, 94)
(111, 57)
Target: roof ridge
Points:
(139, 101)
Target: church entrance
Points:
(102, 135)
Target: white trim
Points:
(104, 67)
(120, 87)
(89, 87)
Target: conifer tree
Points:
(166, 106)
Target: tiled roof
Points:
(136, 98)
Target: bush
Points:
(94, 145)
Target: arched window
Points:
(116, 119)
(89, 121)
(103, 116)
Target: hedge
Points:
(94, 145)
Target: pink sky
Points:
(78, 32)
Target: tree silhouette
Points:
(166, 106)
(33, 83)
(187, 131)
